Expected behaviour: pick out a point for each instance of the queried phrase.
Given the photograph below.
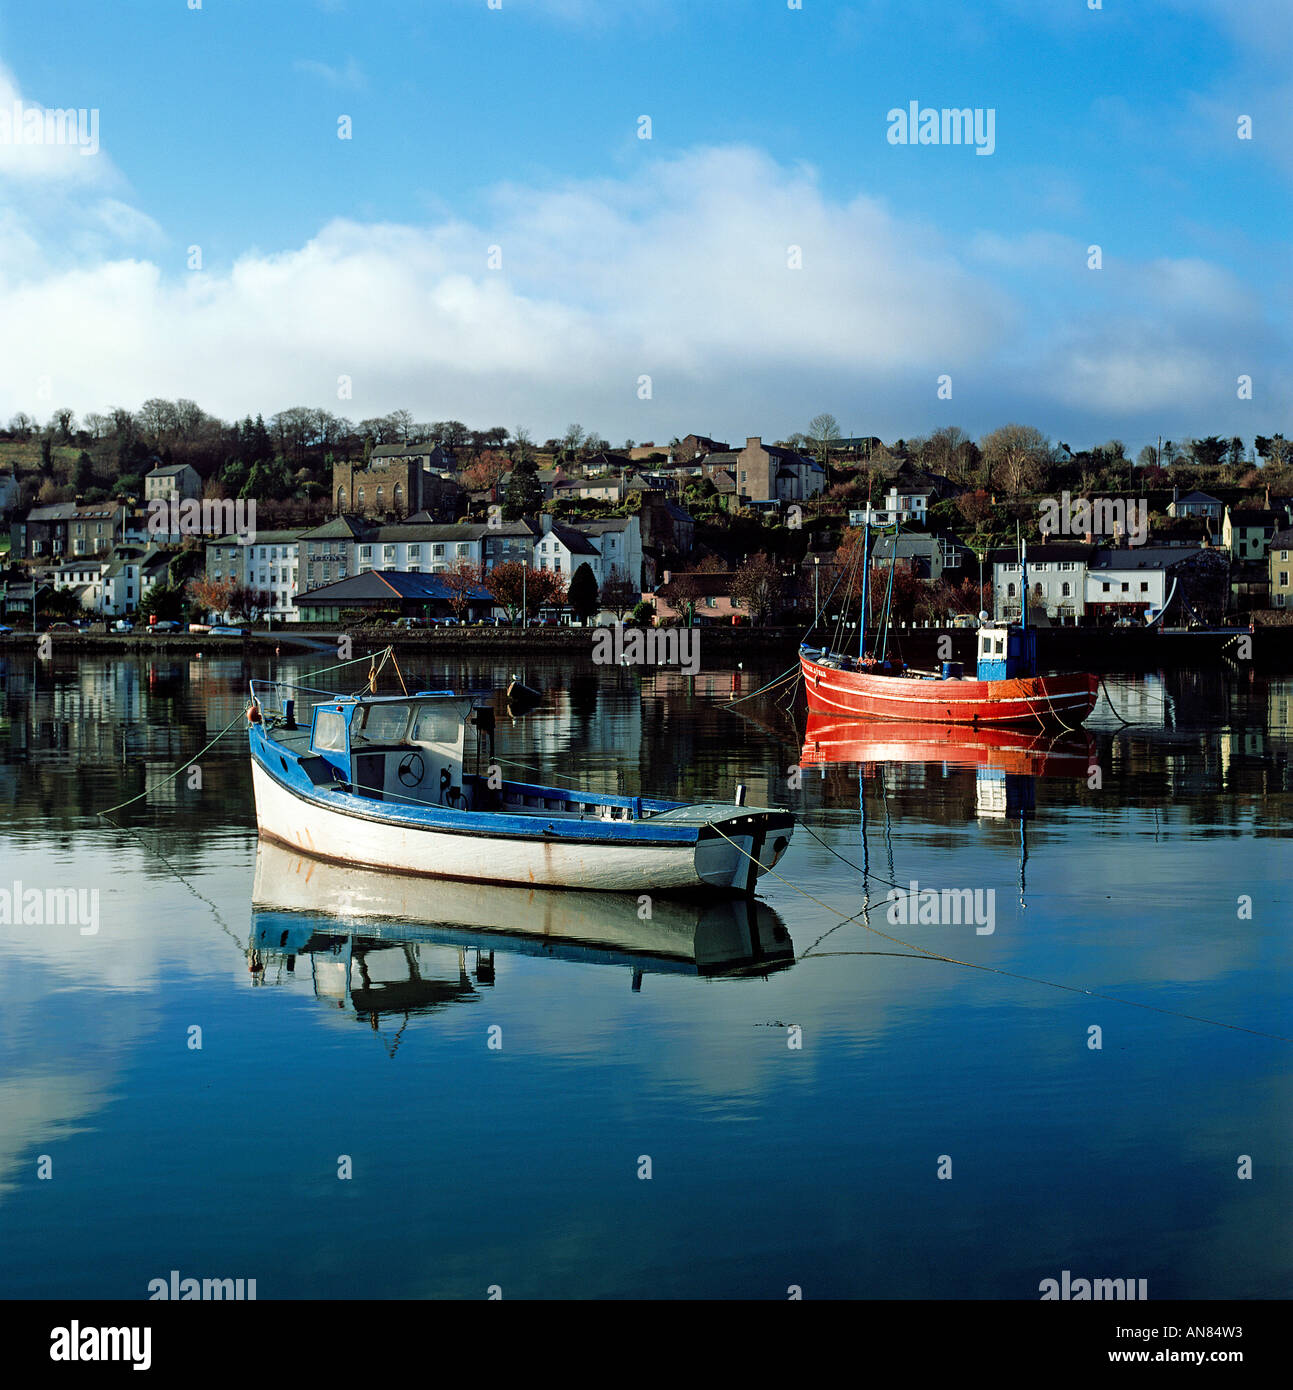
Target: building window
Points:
(1144, 586)
(365, 552)
(361, 497)
(1066, 590)
(1010, 590)
(1105, 588)
(415, 552)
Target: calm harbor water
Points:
(796, 1079)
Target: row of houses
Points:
(293, 567)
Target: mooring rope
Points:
(988, 969)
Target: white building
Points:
(414, 548)
(1130, 583)
(898, 506)
(1056, 582)
(271, 564)
(611, 543)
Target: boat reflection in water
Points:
(382, 943)
(1036, 753)
(1006, 763)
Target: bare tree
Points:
(1016, 457)
(823, 434)
(619, 593)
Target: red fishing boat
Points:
(1005, 689)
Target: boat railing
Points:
(273, 698)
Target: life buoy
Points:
(253, 714)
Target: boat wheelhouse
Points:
(384, 782)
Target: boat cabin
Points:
(1006, 651)
(397, 748)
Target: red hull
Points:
(1033, 701)
(1035, 752)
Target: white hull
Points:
(328, 834)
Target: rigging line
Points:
(215, 911)
(187, 763)
(992, 969)
(776, 680)
(839, 579)
(1126, 723)
(857, 868)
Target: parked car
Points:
(230, 632)
(123, 625)
(166, 625)
(60, 627)
(200, 629)
(408, 624)
(4, 629)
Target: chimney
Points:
(753, 441)
(545, 522)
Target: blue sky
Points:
(366, 260)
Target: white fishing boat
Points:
(380, 781)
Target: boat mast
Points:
(866, 571)
(1023, 578)
(888, 598)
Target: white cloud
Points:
(42, 144)
(351, 76)
(678, 271)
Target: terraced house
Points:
(1281, 569)
(68, 530)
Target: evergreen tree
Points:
(524, 494)
(582, 595)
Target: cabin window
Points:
(435, 724)
(381, 724)
(329, 731)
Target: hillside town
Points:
(166, 514)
